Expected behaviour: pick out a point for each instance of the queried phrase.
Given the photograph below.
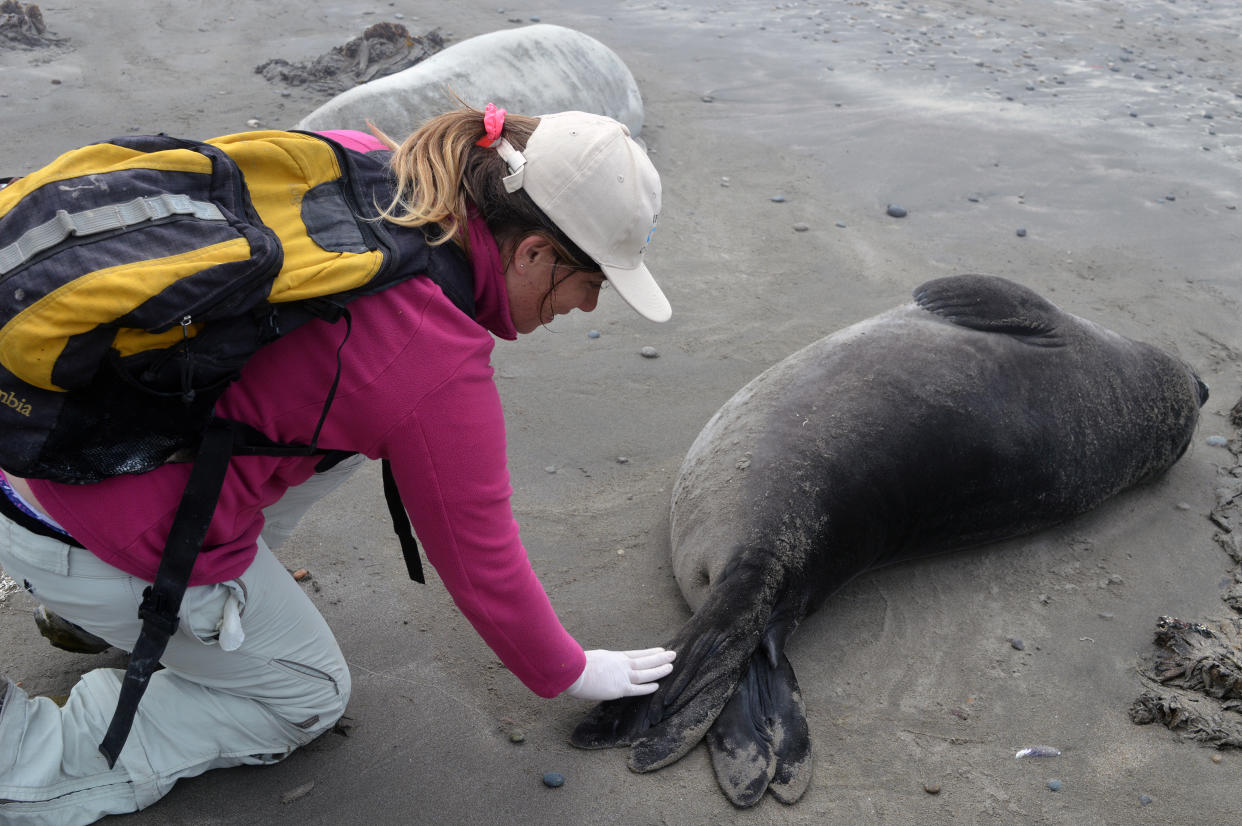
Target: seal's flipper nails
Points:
(989, 304)
(761, 740)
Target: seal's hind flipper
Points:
(989, 304)
(760, 740)
(663, 726)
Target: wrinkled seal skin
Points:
(976, 413)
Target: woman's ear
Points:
(531, 250)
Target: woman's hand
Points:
(612, 674)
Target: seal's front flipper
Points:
(760, 740)
(989, 304)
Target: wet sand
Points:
(1086, 125)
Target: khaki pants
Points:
(208, 708)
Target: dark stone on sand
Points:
(553, 780)
(778, 199)
(649, 352)
(896, 211)
(1054, 785)
(800, 227)
(1021, 232)
(1017, 643)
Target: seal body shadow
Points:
(978, 412)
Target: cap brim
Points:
(640, 291)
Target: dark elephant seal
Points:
(978, 412)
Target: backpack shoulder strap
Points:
(162, 599)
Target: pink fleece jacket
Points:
(416, 388)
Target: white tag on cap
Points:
(516, 162)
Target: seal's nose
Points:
(1203, 390)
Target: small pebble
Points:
(621, 460)
(724, 181)
(1216, 758)
(841, 224)
(1018, 644)
(301, 574)
(778, 199)
(620, 551)
(931, 788)
(254, 123)
(1217, 441)
(1021, 232)
(299, 792)
(895, 211)
(593, 334)
(707, 98)
(800, 227)
(551, 468)
(973, 199)
(1183, 506)
(649, 353)
(1105, 615)
(554, 780)
(1144, 800)
(1054, 785)
(517, 736)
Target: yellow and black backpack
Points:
(138, 275)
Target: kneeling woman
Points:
(547, 211)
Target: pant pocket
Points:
(212, 614)
(319, 703)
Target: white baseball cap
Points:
(597, 185)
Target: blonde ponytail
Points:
(441, 171)
(435, 168)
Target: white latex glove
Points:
(612, 674)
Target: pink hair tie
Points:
(493, 122)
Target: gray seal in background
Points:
(978, 412)
(533, 70)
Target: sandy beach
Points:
(1090, 150)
